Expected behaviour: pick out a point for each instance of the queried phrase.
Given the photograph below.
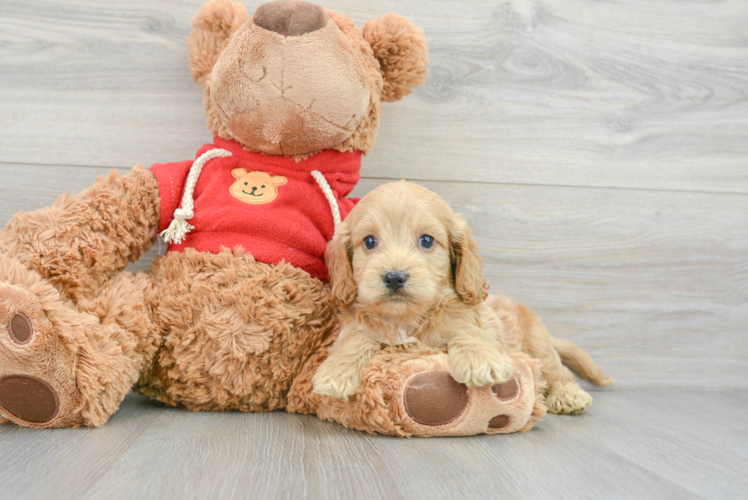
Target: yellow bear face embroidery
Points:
(255, 187)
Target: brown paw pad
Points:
(20, 329)
(506, 390)
(498, 422)
(435, 398)
(29, 398)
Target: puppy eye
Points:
(263, 186)
(246, 183)
(426, 242)
(370, 242)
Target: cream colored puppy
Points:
(404, 268)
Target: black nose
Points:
(396, 280)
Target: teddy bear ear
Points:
(401, 50)
(212, 28)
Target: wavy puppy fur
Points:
(402, 229)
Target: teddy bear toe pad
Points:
(20, 329)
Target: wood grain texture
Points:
(653, 284)
(619, 449)
(642, 94)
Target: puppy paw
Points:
(567, 399)
(479, 368)
(336, 381)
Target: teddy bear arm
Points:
(82, 241)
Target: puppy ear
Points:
(212, 28)
(467, 265)
(338, 257)
(279, 180)
(401, 50)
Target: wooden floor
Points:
(631, 444)
(599, 149)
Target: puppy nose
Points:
(395, 280)
(290, 17)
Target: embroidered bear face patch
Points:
(255, 187)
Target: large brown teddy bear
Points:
(237, 314)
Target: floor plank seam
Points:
(444, 181)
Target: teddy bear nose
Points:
(290, 17)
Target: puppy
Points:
(404, 268)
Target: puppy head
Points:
(402, 250)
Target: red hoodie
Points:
(272, 206)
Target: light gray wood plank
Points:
(628, 445)
(65, 463)
(652, 284)
(564, 92)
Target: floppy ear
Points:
(279, 180)
(467, 265)
(212, 28)
(401, 50)
(238, 173)
(338, 257)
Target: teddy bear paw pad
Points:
(498, 422)
(435, 398)
(20, 329)
(506, 390)
(29, 398)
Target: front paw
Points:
(479, 368)
(336, 381)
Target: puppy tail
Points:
(581, 362)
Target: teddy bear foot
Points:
(37, 383)
(63, 365)
(437, 405)
(406, 395)
(436, 399)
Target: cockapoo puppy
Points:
(404, 268)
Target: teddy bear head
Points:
(296, 79)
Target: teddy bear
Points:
(237, 315)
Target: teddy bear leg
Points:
(82, 241)
(409, 392)
(68, 366)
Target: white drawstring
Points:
(329, 195)
(179, 226)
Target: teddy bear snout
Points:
(290, 17)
